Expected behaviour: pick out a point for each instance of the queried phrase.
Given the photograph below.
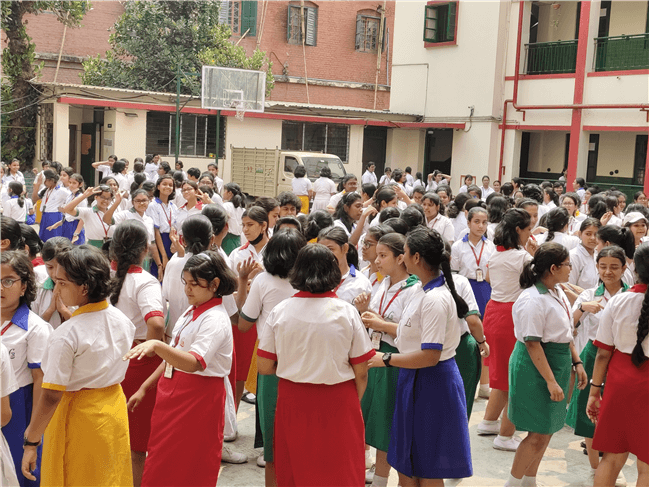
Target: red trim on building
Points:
(620, 128)
(542, 77)
(561, 128)
(618, 73)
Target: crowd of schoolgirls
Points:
(355, 317)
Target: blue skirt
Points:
(482, 291)
(30, 219)
(68, 229)
(21, 402)
(430, 435)
(167, 244)
(48, 219)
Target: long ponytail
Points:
(16, 188)
(129, 242)
(641, 266)
(548, 254)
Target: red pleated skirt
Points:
(623, 419)
(244, 344)
(140, 419)
(326, 416)
(499, 330)
(186, 431)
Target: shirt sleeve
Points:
(253, 306)
(58, 363)
(361, 349)
(266, 347)
(582, 298)
(465, 291)
(211, 337)
(37, 342)
(605, 334)
(150, 300)
(230, 304)
(529, 319)
(574, 274)
(448, 233)
(455, 256)
(7, 375)
(84, 213)
(433, 316)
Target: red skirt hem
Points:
(244, 344)
(499, 329)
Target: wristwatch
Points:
(32, 444)
(581, 309)
(386, 359)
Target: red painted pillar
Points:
(645, 181)
(578, 93)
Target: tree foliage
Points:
(19, 98)
(151, 40)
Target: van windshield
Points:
(315, 164)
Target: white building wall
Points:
(405, 148)
(627, 18)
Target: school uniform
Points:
(188, 419)
(70, 222)
(216, 198)
(51, 201)
(575, 223)
(491, 227)
(544, 316)
(623, 419)
(4, 196)
(568, 241)
(335, 199)
(353, 283)
(163, 214)
(30, 218)
(587, 330)
(151, 170)
(584, 272)
(44, 295)
(140, 300)
(312, 378)
(581, 193)
(301, 188)
(471, 262)
(615, 220)
(97, 231)
(444, 227)
(132, 214)
(486, 192)
(8, 385)
(369, 177)
(26, 337)
(430, 436)
(105, 170)
(122, 181)
(374, 278)
(339, 223)
(323, 190)
(505, 267)
(9, 177)
(234, 237)
(184, 213)
(378, 402)
(460, 226)
(13, 209)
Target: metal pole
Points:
(216, 146)
(178, 113)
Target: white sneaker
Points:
(620, 480)
(485, 428)
(370, 474)
(230, 438)
(369, 460)
(452, 481)
(506, 443)
(234, 457)
(260, 461)
(484, 391)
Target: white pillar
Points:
(61, 133)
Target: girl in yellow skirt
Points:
(82, 410)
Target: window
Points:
(325, 138)
(294, 25)
(290, 164)
(240, 16)
(367, 35)
(198, 134)
(440, 22)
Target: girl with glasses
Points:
(97, 230)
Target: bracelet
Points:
(594, 385)
(482, 342)
(576, 363)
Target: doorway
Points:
(88, 153)
(437, 151)
(374, 148)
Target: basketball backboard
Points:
(229, 88)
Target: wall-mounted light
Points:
(130, 114)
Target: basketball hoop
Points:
(239, 106)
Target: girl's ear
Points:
(400, 259)
(214, 285)
(345, 248)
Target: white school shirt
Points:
(385, 180)
(306, 351)
(353, 283)
(140, 299)
(389, 306)
(151, 170)
(26, 336)
(301, 186)
(430, 321)
(543, 315)
(464, 255)
(86, 351)
(54, 198)
(486, 192)
(14, 210)
(569, 242)
(205, 332)
(584, 272)
(29, 205)
(8, 383)
(491, 227)
(575, 223)
(581, 194)
(323, 189)
(104, 169)
(216, 198)
(4, 196)
(44, 294)
(505, 268)
(375, 279)
(179, 199)
(82, 204)
(132, 214)
(462, 189)
(460, 226)
(614, 220)
(96, 228)
(234, 218)
(218, 182)
(369, 178)
(266, 292)
(589, 322)
(184, 213)
(122, 181)
(163, 215)
(444, 227)
(335, 199)
(243, 253)
(8, 178)
(339, 223)
(619, 322)
(464, 290)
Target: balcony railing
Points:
(621, 53)
(544, 58)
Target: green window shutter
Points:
(358, 39)
(249, 17)
(430, 23)
(311, 26)
(451, 21)
(289, 23)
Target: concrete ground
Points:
(564, 464)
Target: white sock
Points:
(529, 481)
(504, 437)
(512, 481)
(379, 480)
(490, 422)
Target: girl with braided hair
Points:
(557, 223)
(430, 436)
(137, 294)
(621, 412)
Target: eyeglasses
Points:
(187, 190)
(367, 244)
(141, 201)
(565, 264)
(8, 282)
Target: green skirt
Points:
(468, 358)
(98, 243)
(378, 402)
(530, 406)
(267, 399)
(230, 243)
(577, 413)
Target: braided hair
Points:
(556, 221)
(430, 245)
(641, 266)
(129, 242)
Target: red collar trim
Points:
(132, 269)
(197, 311)
(37, 262)
(639, 288)
(307, 294)
(501, 249)
(199, 205)
(245, 246)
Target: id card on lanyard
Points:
(376, 336)
(479, 271)
(168, 218)
(105, 227)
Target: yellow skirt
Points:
(305, 204)
(87, 440)
(251, 380)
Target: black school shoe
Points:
(249, 398)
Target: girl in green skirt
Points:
(540, 365)
(587, 310)
(381, 314)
